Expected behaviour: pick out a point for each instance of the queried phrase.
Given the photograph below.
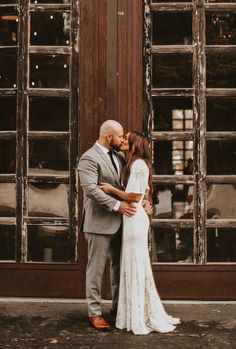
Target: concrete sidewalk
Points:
(63, 325)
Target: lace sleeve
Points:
(138, 180)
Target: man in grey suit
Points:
(102, 216)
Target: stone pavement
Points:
(63, 325)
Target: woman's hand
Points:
(106, 187)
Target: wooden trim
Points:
(43, 92)
(46, 221)
(172, 223)
(177, 179)
(48, 134)
(220, 48)
(50, 7)
(48, 179)
(8, 92)
(7, 178)
(7, 134)
(221, 223)
(231, 135)
(172, 92)
(220, 92)
(224, 6)
(230, 179)
(172, 136)
(172, 7)
(172, 49)
(50, 50)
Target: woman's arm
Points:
(128, 197)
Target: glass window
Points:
(8, 113)
(48, 114)
(173, 201)
(172, 114)
(221, 113)
(48, 156)
(7, 242)
(171, 157)
(221, 245)
(172, 28)
(172, 70)
(48, 244)
(49, 71)
(221, 201)
(50, 28)
(8, 28)
(221, 157)
(221, 70)
(220, 28)
(7, 199)
(7, 70)
(48, 199)
(7, 156)
(173, 245)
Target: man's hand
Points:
(147, 207)
(127, 209)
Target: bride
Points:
(139, 306)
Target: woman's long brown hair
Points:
(139, 148)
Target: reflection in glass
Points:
(221, 113)
(172, 114)
(173, 201)
(7, 242)
(220, 28)
(221, 157)
(221, 245)
(172, 28)
(48, 156)
(7, 199)
(7, 70)
(173, 245)
(49, 71)
(50, 28)
(48, 114)
(172, 70)
(48, 244)
(7, 156)
(8, 28)
(171, 157)
(221, 201)
(221, 70)
(48, 199)
(8, 113)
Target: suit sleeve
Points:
(88, 174)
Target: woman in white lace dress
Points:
(139, 307)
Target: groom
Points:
(102, 216)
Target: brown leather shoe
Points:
(99, 323)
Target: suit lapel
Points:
(108, 162)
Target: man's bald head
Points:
(111, 134)
(109, 126)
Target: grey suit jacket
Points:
(98, 215)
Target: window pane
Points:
(7, 242)
(221, 245)
(48, 244)
(48, 114)
(49, 71)
(173, 201)
(220, 28)
(221, 70)
(8, 114)
(50, 28)
(221, 201)
(221, 114)
(8, 28)
(7, 71)
(172, 70)
(48, 199)
(7, 199)
(172, 245)
(171, 113)
(172, 28)
(48, 156)
(171, 157)
(7, 156)
(225, 154)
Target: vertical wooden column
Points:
(130, 63)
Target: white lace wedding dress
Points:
(139, 307)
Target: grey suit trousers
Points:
(100, 248)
